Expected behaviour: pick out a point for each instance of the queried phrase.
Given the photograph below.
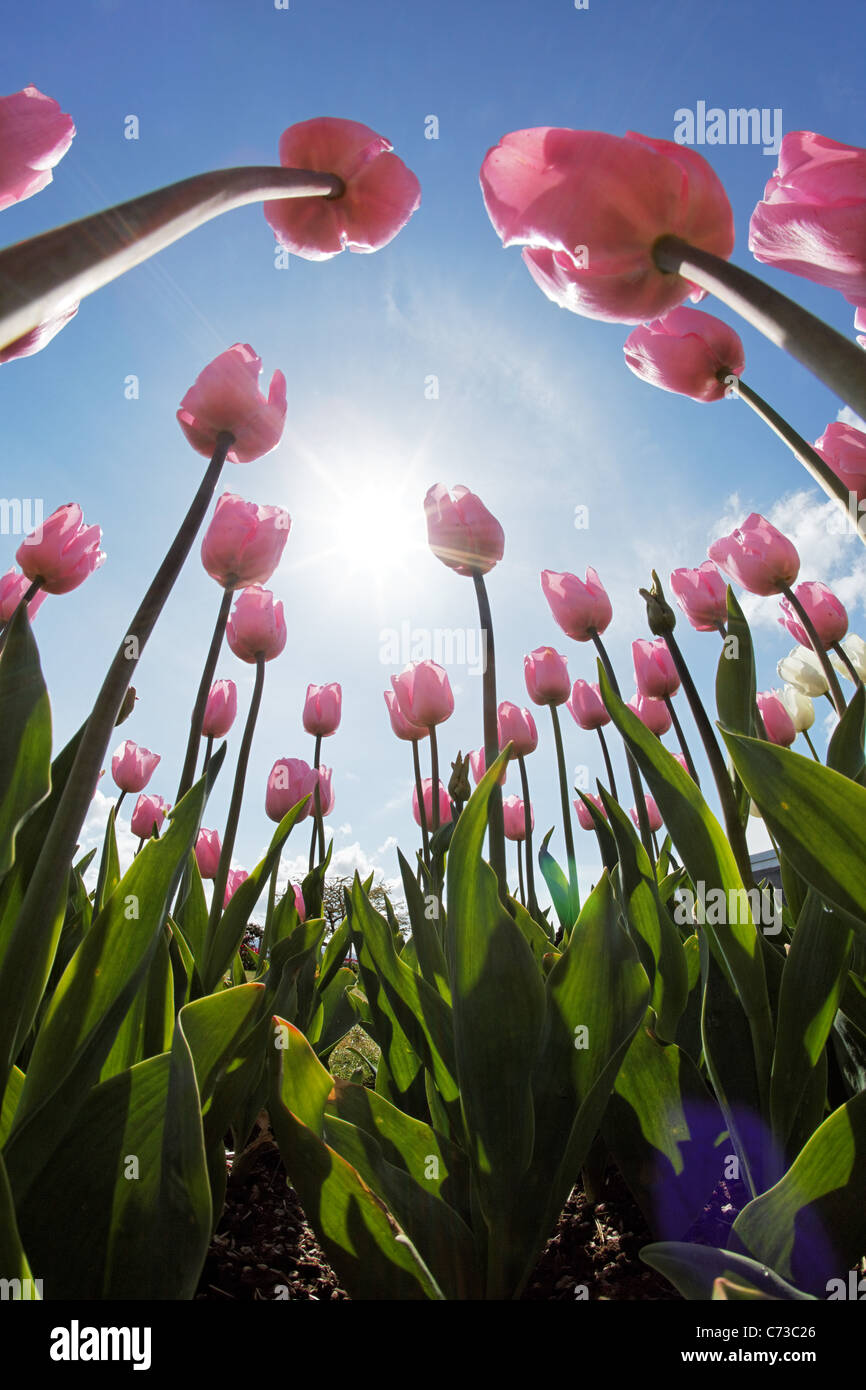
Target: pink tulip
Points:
(589, 208)
(427, 791)
(514, 815)
(777, 721)
(547, 678)
(34, 136)
(652, 713)
(812, 219)
(300, 905)
(681, 759)
(583, 814)
(757, 556)
(62, 552)
(844, 448)
(380, 192)
(828, 615)
(148, 815)
(13, 587)
(257, 626)
(478, 764)
(399, 723)
(40, 336)
(516, 726)
(653, 815)
(686, 351)
(860, 322)
(461, 531)
(322, 709)
(226, 396)
(580, 609)
(289, 780)
(702, 594)
(207, 852)
(587, 707)
(132, 767)
(654, 670)
(326, 790)
(424, 694)
(235, 878)
(220, 710)
(244, 542)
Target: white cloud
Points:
(93, 836)
(846, 416)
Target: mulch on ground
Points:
(264, 1249)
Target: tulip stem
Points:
(44, 274)
(419, 792)
(527, 820)
(684, 747)
(187, 776)
(434, 774)
(811, 460)
(495, 819)
(607, 762)
(733, 825)
(207, 754)
(117, 805)
(318, 829)
(634, 775)
(46, 892)
(265, 942)
(520, 871)
(566, 805)
(832, 358)
(222, 873)
(846, 661)
(832, 679)
(805, 733)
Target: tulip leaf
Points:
(694, 1269)
(15, 1274)
(373, 1256)
(811, 1227)
(818, 817)
(432, 965)
(557, 883)
(736, 686)
(845, 749)
(498, 1006)
(812, 983)
(25, 734)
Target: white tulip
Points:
(802, 669)
(799, 707)
(855, 649)
(753, 811)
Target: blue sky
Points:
(536, 411)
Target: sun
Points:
(376, 531)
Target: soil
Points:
(264, 1249)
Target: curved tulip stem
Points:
(723, 631)
(25, 598)
(47, 888)
(495, 820)
(434, 774)
(811, 460)
(805, 733)
(222, 873)
(187, 776)
(117, 805)
(45, 274)
(655, 846)
(419, 791)
(733, 825)
(634, 775)
(520, 871)
(826, 664)
(684, 747)
(316, 813)
(207, 755)
(847, 662)
(264, 945)
(607, 763)
(566, 805)
(832, 358)
(527, 819)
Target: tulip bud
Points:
(459, 789)
(128, 704)
(660, 617)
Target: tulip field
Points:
(563, 1000)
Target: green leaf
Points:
(845, 749)
(373, 1256)
(811, 1227)
(818, 817)
(736, 686)
(25, 734)
(557, 883)
(425, 933)
(693, 1269)
(15, 1273)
